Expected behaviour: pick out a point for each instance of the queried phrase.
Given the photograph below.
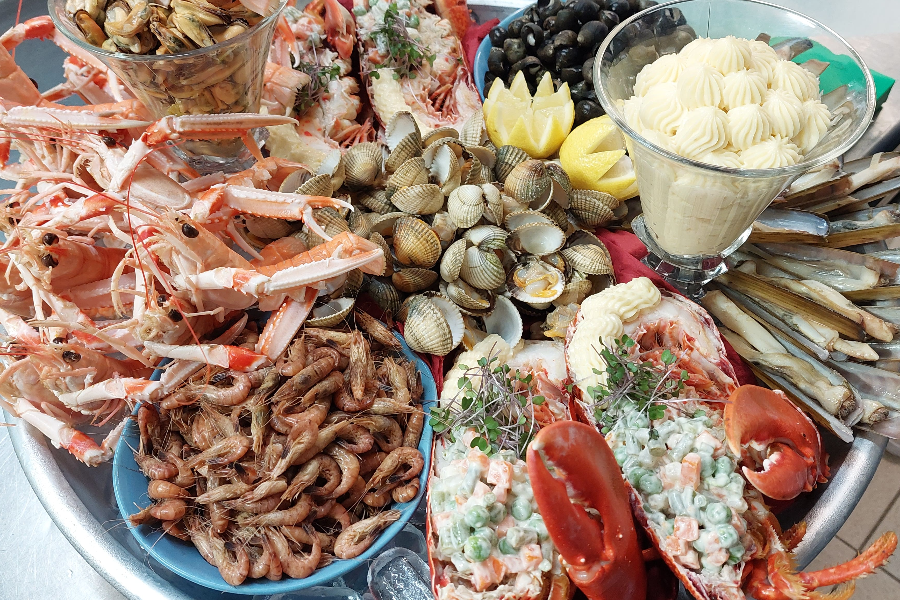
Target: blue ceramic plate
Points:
(484, 49)
(130, 487)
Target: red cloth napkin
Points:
(626, 251)
(472, 40)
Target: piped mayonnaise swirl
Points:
(665, 69)
(814, 120)
(661, 110)
(600, 321)
(749, 125)
(771, 154)
(700, 85)
(703, 130)
(783, 109)
(728, 55)
(742, 87)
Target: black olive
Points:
(548, 8)
(189, 230)
(175, 315)
(579, 91)
(532, 35)
(587, 72)
(592, 33)
(161, 300)
(49, 239)
(547, 53)
(587, 110)
(497, 63)
(609, 18)
(515, 27)
(620, 7)
(571, 75)
(566, 19)
(70, 356)
(530, 65)
(565, 39)
(586, 10)
(567, 57)
(48, 260)
(498, 35)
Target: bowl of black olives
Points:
(556, 37)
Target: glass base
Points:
(687, 274)
(214, 156)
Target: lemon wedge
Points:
(538, 125)
(594, 157)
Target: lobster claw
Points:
(766, 430)
(603, 558)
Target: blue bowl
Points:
(130, 487)
(484, 49)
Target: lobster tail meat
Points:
(603, 559)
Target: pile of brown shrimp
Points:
(276, 472)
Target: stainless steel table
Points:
(37, 562)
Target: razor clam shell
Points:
(876, 384)
(890, 272)
(867, 218)
(776, 221)
(887, 350)
(891, 314)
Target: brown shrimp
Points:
(150, 428)
(406, 493)
(382, 496)
(355, 494)
(356, 439)
(330, 472)
(234, 572)
(302, 438)
(185, 477)
(344, 400)
(175, 529)
(325, 437)
(301, 383)
(305, 535)
(265, 489)
(399, 379)
(340, 516)
(389, 406)
(323, 336)
(219, 517)
(386, 431)
(163, 490)
(322, 390)
(275, 569)
(295, 566)
(142, 517)
(272, 455)
(259, 408)
(259, 507)
(154, 468)
(415, 423)
(203, 434)
(341, 359)
(260, 560)
(320, 510)
(172, 509)
(361, 369)
(354, 540)
(219, 493)
(349, 466)
(400, 465)
(232, 394)
(294, 360)
(370, 461)
(291, 516)
(202, 540)
(226, 451)
(377, 331)
(305, 477)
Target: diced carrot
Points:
(691, 559)
(504, 525)
(481, 488)
(531, 555)
(487, 573)
(719, 557)
(708, 439)
(690, 471)
(500, 474)
(674, 546)
(670, 475)
(441, 519)
(479, 458)
(687, 528)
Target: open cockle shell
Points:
(441, 132)
(452, 260)
(493, 211)
(558, 215)
(560, 183)
(444, 166)
(362, 165)
(576, 290)
(593, 209)
(508, 158)
(376, 201)
(487, 237)
(288, 185)
(525, 217)
(384, 224)
(411, 172)
(421, 199)
(470, 300)
(333, 166)
(413, 279)
(474, 132)
(482, 269)
(408, 147)
(398, 127)
(466, 205)
(505, 321)
(386, 248)
(537, 238)
(319, 185)
(332, 313)
(351, 286)
(415, 244)
(535, 282)
(589, 259)
(445, 228)
(432, 325)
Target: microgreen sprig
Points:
(497, 403)
(319, 78)
(404, 54)
(632, 383)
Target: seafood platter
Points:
(396, 346)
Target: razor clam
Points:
(853, 175)
(873, 411)
(891, 314)
(788, 226)
(875, 384)
(843, 277)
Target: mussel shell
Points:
(482, 269)
(589, 259)
(413, 279)
(466, 205)
(421, 199)
(529, 183)
(411, 172)
(332, 313)
(362, 165)
(452, 260)
(537, 239)
(508, 157)
(415, 244)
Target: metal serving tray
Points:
(80, 500)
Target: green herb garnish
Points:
(643, 385)
(498, 404)
(319, 78)
(404, 53)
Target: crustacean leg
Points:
(230, 357)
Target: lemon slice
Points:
(538, 125)
(594, 157)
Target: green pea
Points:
(487, 533)
(700, 500)
(735, 554)
(477, 548)
(650, 484)
(718, 513)
(521, 509)
(707, 465)
(477, 516)
(634, 475)
(728, 535)
(506, 548)
(621, 454)
(699, 413)
(488, 499)
(724, 466)
(497, 512)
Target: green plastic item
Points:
(843, 70)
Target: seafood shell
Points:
(556, 260)
(415, 244)
(487, 237)
(433, 325)
(412, 172)
(525, 217)
(332, 313)
(412, 280)
(267, 228)
(376, 201)
(443, 164)
(384, 224)
(537, 238)
(508, 158)
(440, 132)
(383, 293)
(331, 221)
(530, 184)
(361, 223)
(421, 199)
(505, 321)
(452, 260)
(474, 132)
(575, 291)
(399, 127)
(445, 228)
(320, 185)
(333, 166)
(593, 209)
(559, 216)
(293, 181)
(535, 282)
(589, 259)
(494, 210)
(482, 269)
(362, 165)
(408, 147)
(351, 287)
(466, 205)
(469, 299)
(474, 172)
(560, 182)
(385, 247)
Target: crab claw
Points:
(782, 454)
(572, 470)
